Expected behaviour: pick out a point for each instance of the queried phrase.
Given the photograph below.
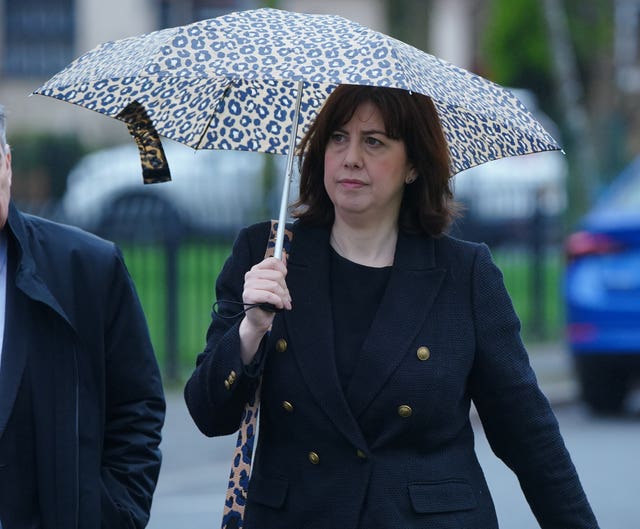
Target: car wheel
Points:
(603, 386)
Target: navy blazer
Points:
(98, 403)
(396, 449)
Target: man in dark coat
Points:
(81, 399)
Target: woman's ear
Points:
(411, 177)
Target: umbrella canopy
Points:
(231, 82)
(247, 80)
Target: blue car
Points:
(602, 294)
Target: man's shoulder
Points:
(48, 233)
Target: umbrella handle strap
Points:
(236, 499)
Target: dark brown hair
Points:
(427, 204)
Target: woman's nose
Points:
(353, 155)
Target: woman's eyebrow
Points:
(374, 131)
(364, 132)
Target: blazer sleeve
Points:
(215, 401)
(135, 407)
(518, 420)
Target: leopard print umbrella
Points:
(230, 83)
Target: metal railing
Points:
(174, 267)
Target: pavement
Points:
(554, 369)
(193, 480)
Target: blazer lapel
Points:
(310, 326)
(15, 346)
(408, 298)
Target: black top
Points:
(356, 291)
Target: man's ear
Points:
(7, 155)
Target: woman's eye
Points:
(370, 140)
(338, 137)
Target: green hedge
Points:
(199, 265)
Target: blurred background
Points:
(564, 226)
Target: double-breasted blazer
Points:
(76, 347)
(396, 448)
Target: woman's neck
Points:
(373, 245)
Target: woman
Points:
(390, 328)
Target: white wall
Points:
(369, 13)
(451, 31)
(101, 21)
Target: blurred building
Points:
(627, 45)
(40, 37)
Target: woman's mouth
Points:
(351, 184)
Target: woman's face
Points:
(365, 171)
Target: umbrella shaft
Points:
(284, 203)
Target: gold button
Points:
(423, 353)
(404, 411)
(314, 458)
(232, 376)
(227, 384)
(361, 454)
(281, 345)
(287, 406)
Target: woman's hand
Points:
(264, 283)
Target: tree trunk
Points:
(583, 178)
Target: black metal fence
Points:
(529, 251)
(175, 267)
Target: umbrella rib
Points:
(206, 127)
(400, 63)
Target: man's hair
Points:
(3, 132)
